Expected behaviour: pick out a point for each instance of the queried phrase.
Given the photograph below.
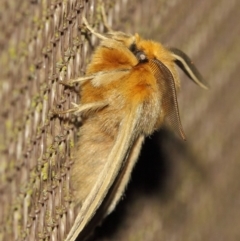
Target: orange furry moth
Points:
(129, 90)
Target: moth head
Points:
(154, 50)
(162, 63)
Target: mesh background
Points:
(179, 190)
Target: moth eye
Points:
(141, 56)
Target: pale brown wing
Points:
(117, 189)
(114, 164)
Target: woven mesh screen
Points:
(179, 191)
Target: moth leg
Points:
(80, 80)
(84, 109)
(101, 36)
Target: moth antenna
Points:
(166, 81)
(186, 64)
(83, 109)
(100, 36)
(104, 18)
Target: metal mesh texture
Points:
(41, 44)
(179, 191)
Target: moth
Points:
(128, 92)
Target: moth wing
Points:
(117, 188)
(124, 176)
(127, 134)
